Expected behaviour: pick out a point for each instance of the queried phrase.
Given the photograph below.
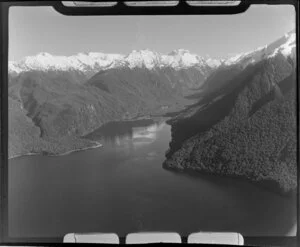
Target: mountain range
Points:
(215, 104)
(93, 62)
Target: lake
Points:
(121, 187)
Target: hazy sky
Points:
(42, 29)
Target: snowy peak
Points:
(177, 59)
(180, 52)
(182, 59)
(143, 59)
(285, 46)
(214, 63)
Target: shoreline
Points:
(98, 144)
(269, 185)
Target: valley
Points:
(233, 117)
(61, 106)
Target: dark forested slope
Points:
(248, 132)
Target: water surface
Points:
(122, 187)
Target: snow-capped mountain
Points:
(82, 62)
(143, 59)
(285, 46)
(183, 58)
(94, 62)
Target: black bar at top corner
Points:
(181, 8)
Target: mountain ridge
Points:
(96, 61)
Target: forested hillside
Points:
(56, 108)
(25, 136)
(247, 132)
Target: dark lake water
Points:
(122, 187)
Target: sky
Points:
(42, 29)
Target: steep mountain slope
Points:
(138, 87)
(221, 77)
(286, 45)
(60, 108)
(25, 136)
(165, 85)
(245, 127)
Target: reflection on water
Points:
(140, 132)
(122, 187)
